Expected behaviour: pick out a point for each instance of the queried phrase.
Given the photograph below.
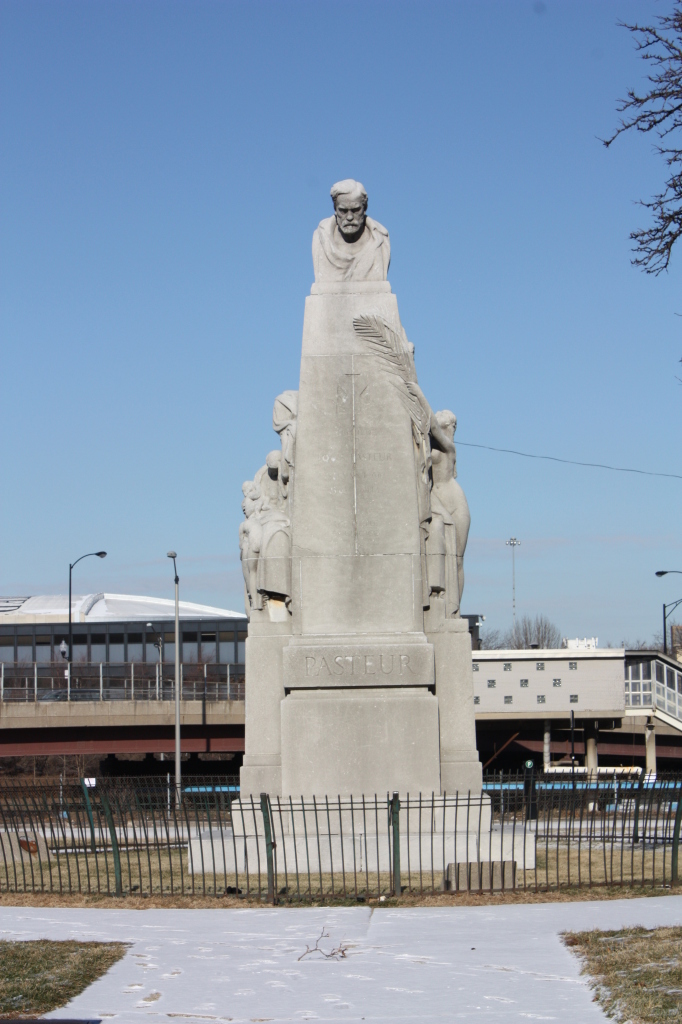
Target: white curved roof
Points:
(104, 608)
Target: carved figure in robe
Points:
(284, 415)
(350, 246)
(450, 520)
(265, 536)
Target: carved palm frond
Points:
(388, 343)
(392, 348)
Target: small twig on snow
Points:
(338, 953)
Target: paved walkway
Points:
(487, 964)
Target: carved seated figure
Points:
(350, 246)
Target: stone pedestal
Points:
(460, 768)
(353, 690)
(371, 741)
(262, 767)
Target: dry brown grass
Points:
(636, 973)
(36, 977)
(602, 864)
(165, 873)
(413, 899)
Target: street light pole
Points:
(667, 609)
(90, 554)
(513, 543)
(178, 769)
(665, 631)
(672, 606)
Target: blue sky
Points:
(164, 165)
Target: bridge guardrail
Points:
(37, 683)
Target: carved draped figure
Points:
(284, 415)
(265, 536)
(337, 260)
(441, 547)
(448, 530)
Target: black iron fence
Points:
(531, 831)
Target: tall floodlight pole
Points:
(513, 543)
(178, 770)
(90, 554)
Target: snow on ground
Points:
(404, 966)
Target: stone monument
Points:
(358, 665)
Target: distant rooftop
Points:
(104, 608)
(586, 644)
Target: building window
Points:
(556, 683)
(639, 670)
(25, 649)
(539, 666)
(474, 667)
(189, 647)
(44, 649)
(669, 677)
(491, 684)
(541, 698)
(524, 683)
(7, 649)
(507, 700)
(169, 647)
(573, 699)
(80, 648)
(208, 647)
(134, 646)
(98, 648)
(507, 666)
(226, 648)
(659, 672)
(116, 649)
(151, 651)
(477, 700)
(241, 646)
(573, 666)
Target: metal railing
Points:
(131, 681)
(530, 832)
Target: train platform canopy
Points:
(104, 608)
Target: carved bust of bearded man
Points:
(350, 246)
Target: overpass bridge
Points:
(119, 709)
(118, 695)
(120, 727)
(626, 704)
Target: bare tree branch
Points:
(537, 632)
(658, 110)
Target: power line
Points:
(571, 462)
